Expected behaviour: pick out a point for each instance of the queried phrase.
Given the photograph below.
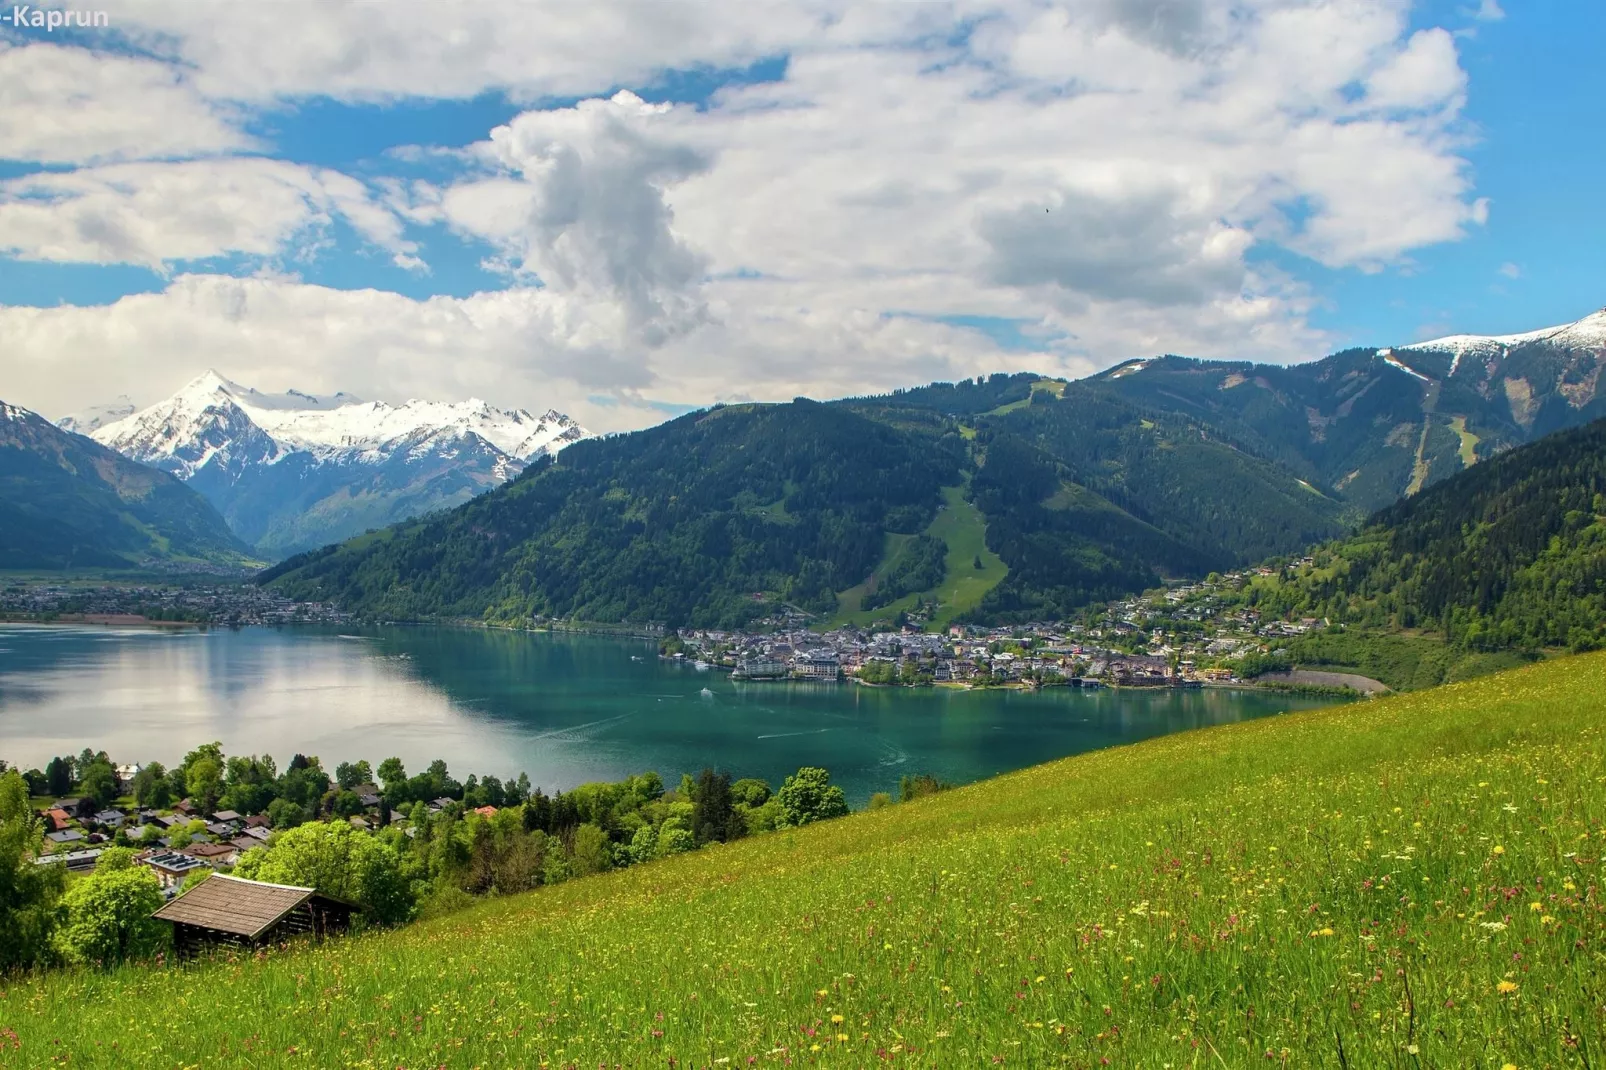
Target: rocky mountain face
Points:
(1378, 424)
(68, 502)
(293, 471)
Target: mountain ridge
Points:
(67, 501)
(294, 470)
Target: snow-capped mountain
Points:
(292, 471)
(1587, 334)
(82, 423)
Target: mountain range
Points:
(293, 471)
(1375, 425)
(68, 502)
(1077, 491)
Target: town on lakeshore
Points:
(1188, 635)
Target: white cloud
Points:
(538, 48)
(1427, 74)
(154, 214)
(1098, 172)
(1510, 270)
(69, 105)
(588, 215)
(524, 346)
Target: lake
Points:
(565, 709)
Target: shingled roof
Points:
(235, 905)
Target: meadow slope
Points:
(1412, 882)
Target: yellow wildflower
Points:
(1505, 988)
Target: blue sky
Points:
(786, 202)
(1539, 116)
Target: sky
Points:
(628, 210)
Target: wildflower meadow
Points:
(1413, 881)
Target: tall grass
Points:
(1410, 882)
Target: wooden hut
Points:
(233, 912)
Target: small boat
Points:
(635, 657)
(706, 693)
(702, 666)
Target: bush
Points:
(109, 918)
(590, 850)
(808, 796)
(338, 860)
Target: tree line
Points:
(430, 845)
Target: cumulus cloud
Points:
(1425, 74)
(1143, 247)
(522, 346)
(586, 213)
(154, 214)
(537, 48)
(69, 105)
(1096, 172)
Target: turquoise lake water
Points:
(565, 709)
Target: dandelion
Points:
(1498, 850)
(1505, 988)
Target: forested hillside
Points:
(712, 518)
(1510, 555)
(67, 501)
(684, 523)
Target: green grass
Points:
(963, 528)
(1056, 387)
(1468, 450)
(1412, 881)
(1403, 661)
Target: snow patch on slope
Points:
(1587, 333)
(1387, 357)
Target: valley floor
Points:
(1413, 881)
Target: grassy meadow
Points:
(962, 527)
(1411, 882)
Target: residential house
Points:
(64, 836)
(170, 867)
(226, 817)
(214, 854)
(75, 861)
(109, 818)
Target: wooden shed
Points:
(233, 912)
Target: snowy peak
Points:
(96, 416)
(1587, 333)
(296, 470)
(212, 404)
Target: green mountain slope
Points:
(1409, 881)
(1507, 556)
(67, 501)
(1377, 425)
(710, 518)
(707, 519)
